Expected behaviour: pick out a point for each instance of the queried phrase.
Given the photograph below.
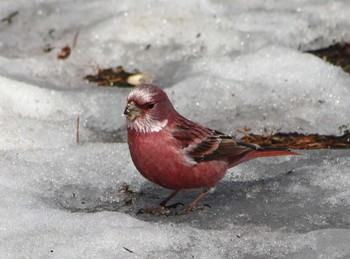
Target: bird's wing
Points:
(202, 144)
(222, 146)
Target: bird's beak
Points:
(132, 111)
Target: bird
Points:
(177, 153)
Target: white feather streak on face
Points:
(146, 124)
(141, 94)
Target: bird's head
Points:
(148, 109)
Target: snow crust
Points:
(225, 64)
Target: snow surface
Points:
(226, 64)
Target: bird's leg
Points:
(165, 201)
(192, 206)
(161, 208)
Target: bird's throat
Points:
(146, 124)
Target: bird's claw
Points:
(159, 209)
(190, 208)
(174, 205)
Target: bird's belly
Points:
(167, 166)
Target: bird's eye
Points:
(150, 106)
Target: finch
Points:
(179, 154)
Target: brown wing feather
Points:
(202, 144)
(227, 147)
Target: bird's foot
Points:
(159, 209)
(190, 208)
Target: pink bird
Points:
(176, 153)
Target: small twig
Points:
(8, 19)
(77, 133)
(75, 40)
(127, 249)
(245, 132)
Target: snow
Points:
(226, 64)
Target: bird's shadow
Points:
(286, 200)
(265, 202)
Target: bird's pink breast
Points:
(159, 159)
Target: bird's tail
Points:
(262, 152)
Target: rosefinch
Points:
(176, 153)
